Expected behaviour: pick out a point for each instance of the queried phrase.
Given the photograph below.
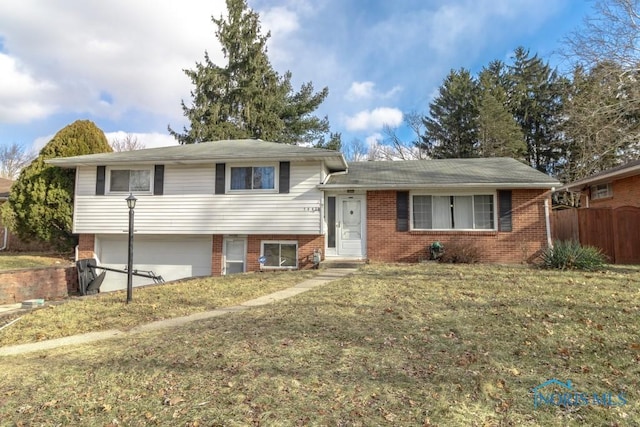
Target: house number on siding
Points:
(314, 209)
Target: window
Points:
(130, 180)
(253, 178)
(453, 212)
(280, 254)
(601, 191)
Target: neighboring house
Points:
(5, 187)
(609, 213)
(612, 188)
(223, 207)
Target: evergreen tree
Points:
(499, 133)
(451, 129)
(247, 98)
(535, 96)
(40, 205)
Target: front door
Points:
(350, 228)
(234, 254)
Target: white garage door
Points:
(172, 257)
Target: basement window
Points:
(280, 254)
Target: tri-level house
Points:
(236, 206)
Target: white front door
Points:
(350, 226)
(234, 254)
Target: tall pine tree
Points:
(247, 98)
(451, 129)
(499, 133)
(535, 99)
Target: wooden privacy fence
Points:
(615, 231)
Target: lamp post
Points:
(131, 203)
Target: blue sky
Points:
(119, 63)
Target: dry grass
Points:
(15, 261)
(109, 311)
(392, 345)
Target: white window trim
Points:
(595, 191)
(280, 242)
(130, 168)
(276, 177)
(493, 194)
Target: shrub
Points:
(460, 253)
(571, 255)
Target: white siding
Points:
(189, 206)
(192, 180)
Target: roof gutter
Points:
(403, 186)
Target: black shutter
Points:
(100, 180)
(158, 180)
(284, 177)
(504, 212)
(220, 178)
(402, 211)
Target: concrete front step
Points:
(342, 263)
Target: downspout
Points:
(6, 238)
(548, 221)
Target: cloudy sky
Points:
(119, 63)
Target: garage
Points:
(172, 257)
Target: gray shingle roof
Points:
(500, 171)
(206, 152)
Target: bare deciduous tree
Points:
(395, 148)
(128, 143)
(602, 111)
(13, 158)
(611, 34)
(356, 151)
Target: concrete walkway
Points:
(324, 277)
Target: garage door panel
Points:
(172, 257)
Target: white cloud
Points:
(118, 48)
(366, 91)
(280, 21)
(374, 119)
(360, 90)
(22, 98)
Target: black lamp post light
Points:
(131, 203)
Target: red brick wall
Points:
(216, 254)
(528, 237)
(48, 283)
(626, 192)
(306, 245)
(86, 246)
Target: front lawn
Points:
(109, 311)
(19, 260)
(419, 345)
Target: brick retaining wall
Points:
(47, 282)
